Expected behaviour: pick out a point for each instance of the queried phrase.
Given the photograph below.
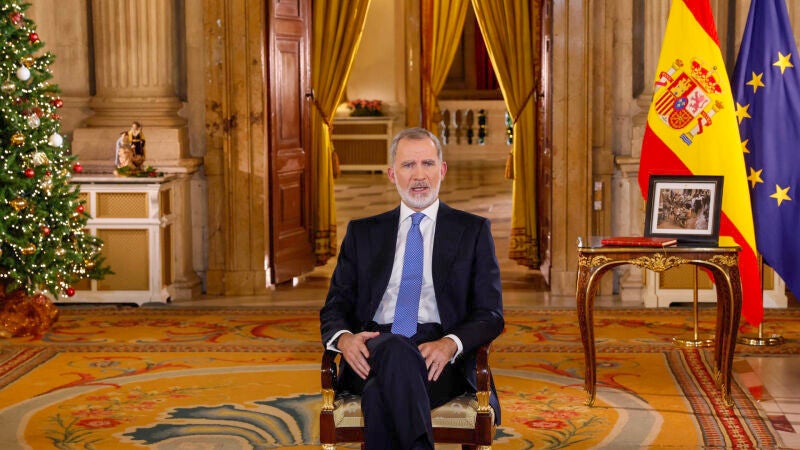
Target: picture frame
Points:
(684, 207)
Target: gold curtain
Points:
(338, 25)
(442, 25)
(510, 29)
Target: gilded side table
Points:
(594, 261)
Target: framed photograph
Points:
(686, 208)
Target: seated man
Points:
(415, 291)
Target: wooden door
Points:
(288, 76)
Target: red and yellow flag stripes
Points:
(692, 129)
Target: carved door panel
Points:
(288, 75)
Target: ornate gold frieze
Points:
(658, 262)
(725, 260)
(593, 261)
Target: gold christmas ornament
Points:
(39, 158)
(89, 264)
(18, 204)
(60, 252)
(46, 184)
(28, 60)
(17, 138)
(29, 249)
(8, 87)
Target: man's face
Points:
(417, 172)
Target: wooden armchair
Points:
(467, 420)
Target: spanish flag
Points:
(692, 130)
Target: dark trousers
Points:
(397, 398)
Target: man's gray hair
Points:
(416, 134)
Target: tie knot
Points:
(416, 218)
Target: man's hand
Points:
(437, 354)
(355, 352)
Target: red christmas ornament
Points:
(55, 116)
(16, 17)
(33, 37)
(77, 168)
(29, 173)
(46, 230)
(57, 102)
(38, 111)
(48, 173)
(70, 291)
(80, 209)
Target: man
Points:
(438, 267)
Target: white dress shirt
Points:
(428, 311)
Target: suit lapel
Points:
(445, 246)
(383, 254)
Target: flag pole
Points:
(759, 339)
(696, 340)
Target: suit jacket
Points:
(466, 280)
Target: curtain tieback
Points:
(510, 160)
(325, 118)
(517, 115)
(335, 165)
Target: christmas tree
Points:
(43, 245)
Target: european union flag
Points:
(766, 86)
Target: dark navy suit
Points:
(466, 280)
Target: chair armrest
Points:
(328, 371)
(484, 374)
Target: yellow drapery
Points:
(443, 22)
(510, 29)
(338, 26)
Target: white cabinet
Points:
(134, 218)
(362, 143)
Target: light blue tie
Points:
(407, 308)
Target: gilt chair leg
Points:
(328, 446)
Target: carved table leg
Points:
(729, 306)
(585, 304)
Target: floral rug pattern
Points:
(165, 378)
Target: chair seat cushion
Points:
(460, 412)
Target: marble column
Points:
(135, 64)
(135, 68)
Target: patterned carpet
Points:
(169, 378)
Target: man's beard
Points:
(422, 200)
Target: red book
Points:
(638, 241)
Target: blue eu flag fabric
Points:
(766, 85)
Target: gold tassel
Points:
(335, 163)
(510, 166)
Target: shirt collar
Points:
(429, 212)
